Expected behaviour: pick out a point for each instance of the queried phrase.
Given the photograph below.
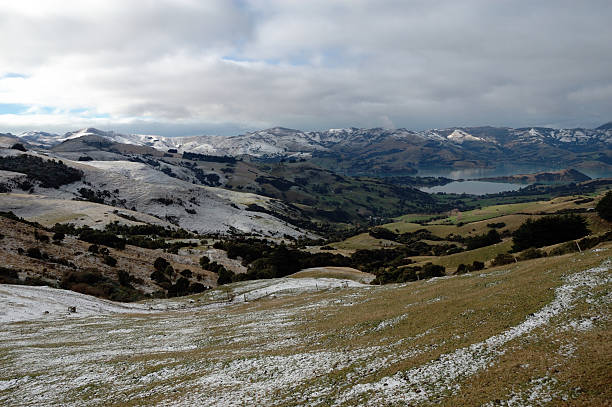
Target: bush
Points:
(483, 240)
(102, 238)
(531, 253)
(382, 233)
(169, 270)
(549, 230)
(476, 266)
(503, 258)
(94, 248)
(225, 276)
(461, 269)
(187, 273)
(50, 173)
(565, 248)
(604, 207)
(160, 264)
(124, 278)
(34, 252)
(58, 236)
(159, 277)
(204, 261)
(41, 237)
(18, 146)
(111, 261)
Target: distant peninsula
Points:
(552, 177)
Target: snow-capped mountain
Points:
(387, 150)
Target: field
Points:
(533, 333)
(476, 221)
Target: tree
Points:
(160, 264)
(604, 207)
(549, 230)
(225, 276)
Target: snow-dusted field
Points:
(313, 342)
(139, 186)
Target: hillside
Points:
(138, 186)
(562, 176)
(442, 341)
(383, 151)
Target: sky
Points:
(187, 67)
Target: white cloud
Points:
(225, 65)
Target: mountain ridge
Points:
(379, 150)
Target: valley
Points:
(254, 275)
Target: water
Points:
(473, 187)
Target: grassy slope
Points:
(475, 221)
(415, 343)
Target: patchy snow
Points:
(21, 303)
(254, 354)
(421, 383)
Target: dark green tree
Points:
(604, 207)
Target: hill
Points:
(562, 176)
(542, 325)
(384, 151)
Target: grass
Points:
(483, 254)
(316, 348)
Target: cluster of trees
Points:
(549, 230)
(94, 283)
(270, 260)
(410, 273)
(209, 158)
(164, 275)
(50, 173)
(486, 239)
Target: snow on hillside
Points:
(138, 186)
(459, 136)
(284, 142)
(23, 303)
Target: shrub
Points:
(50, 173)
(204, 261)
(483, 240)
(430, 270)
(531, 253)
(124, 278)
(111, 261)
(58, 236)
(604, 207)
(159, 277)
(476, 266)
(225, 276)
(94, 248)
(41, 237)
(18, 146)
(160, 264)
(382, 233)
(565, 248)
(461, 269)
(34, 252)
(169, 270)
(187, 273)
(102, 238)
(195, 288)
(502, 258)
(496, 225)
(549, 230)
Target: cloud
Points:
(225, 66)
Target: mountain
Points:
(378, 150)
(607, 126)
